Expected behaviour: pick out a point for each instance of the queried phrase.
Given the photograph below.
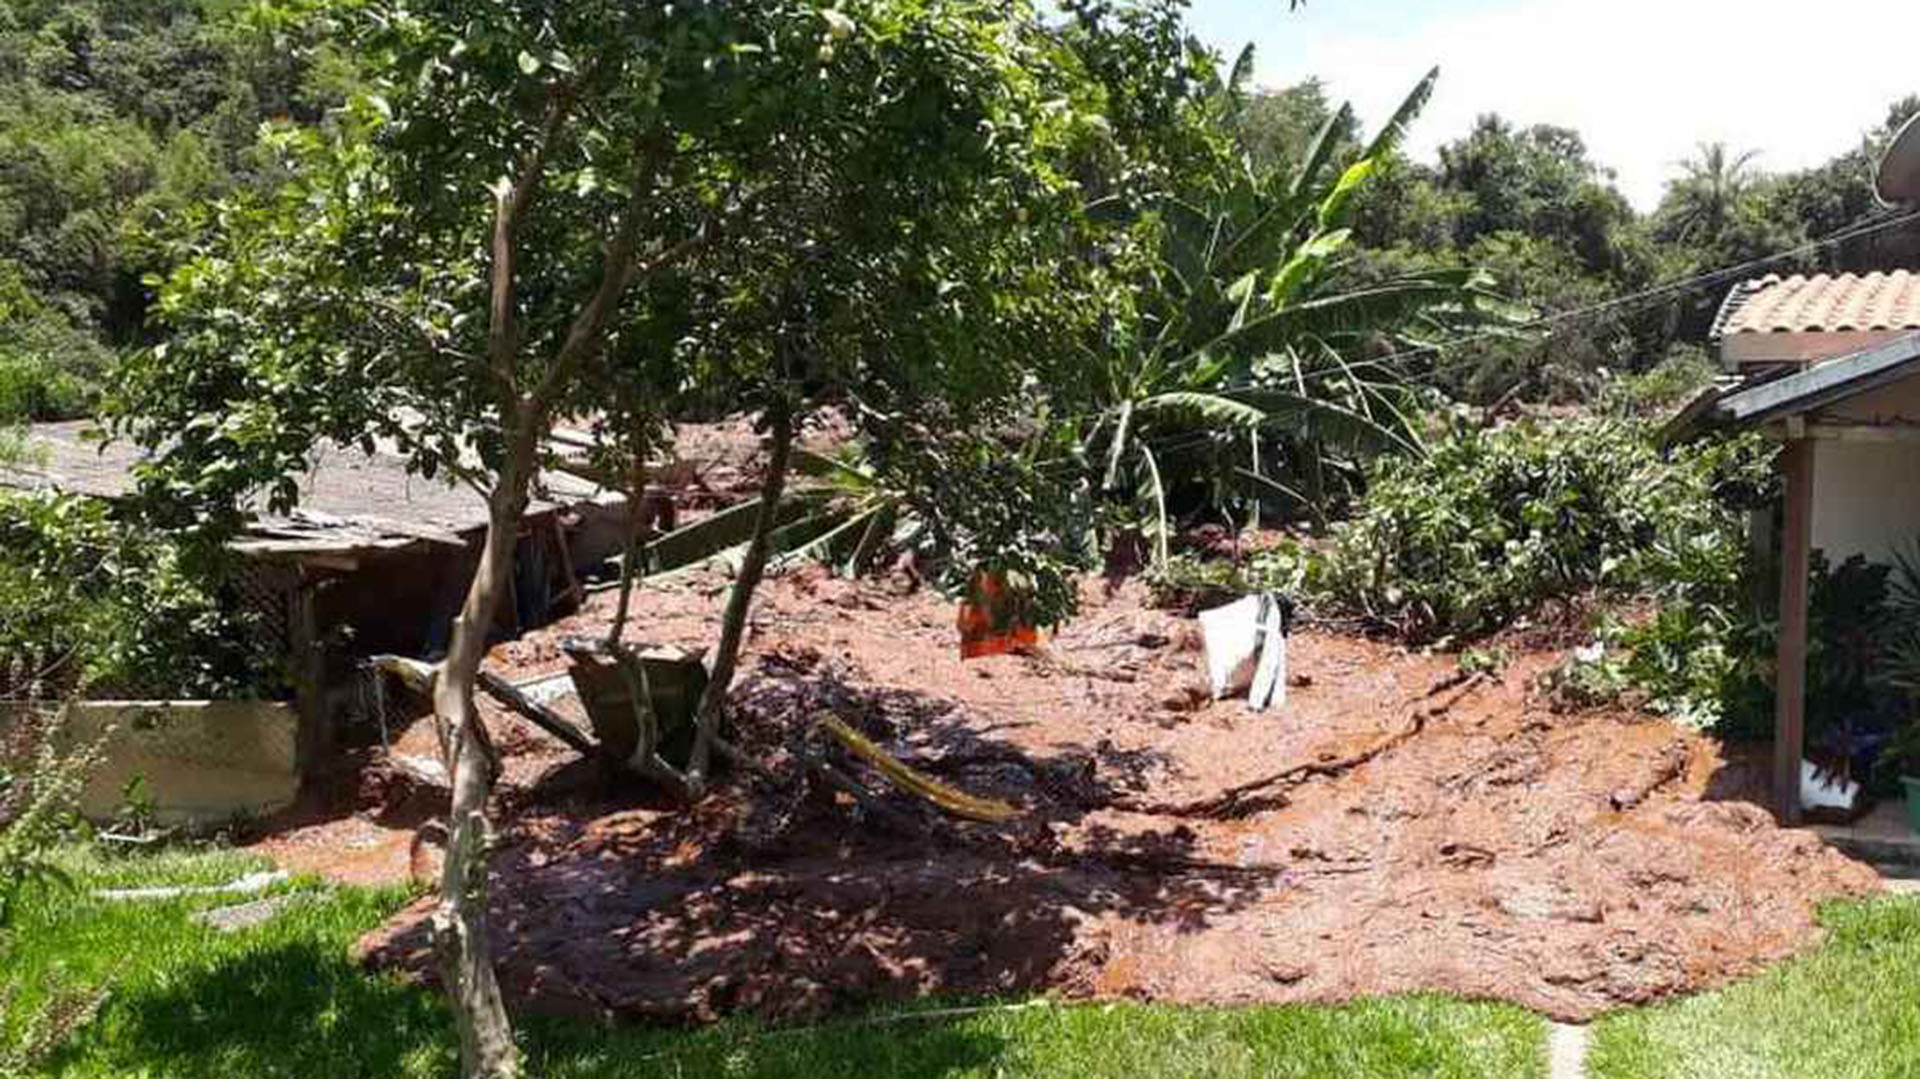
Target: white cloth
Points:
(1246, 647)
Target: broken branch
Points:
(1250, 797)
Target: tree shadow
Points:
(287, 1008)
(934, 1046)
(784, 900)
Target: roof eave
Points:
(1820, 385)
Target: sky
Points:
(1643, 81)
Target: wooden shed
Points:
(375, 560)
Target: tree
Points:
(1537, 180)
(115, 115)
(1714, 183)
(1241, 321)
(1277, 127)
(593, 209)
(1831, 198)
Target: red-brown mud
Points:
(1429, 833)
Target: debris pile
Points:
(1395, 827)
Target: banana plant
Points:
(1243, 334)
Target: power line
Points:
(1671, 290)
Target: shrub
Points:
(40, 784)
(91, 603)
(1490, 524)
(1686, 371)
(49, 370)
(1706, 658)
(1192, 584)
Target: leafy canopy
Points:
(855, 204)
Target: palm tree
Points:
(1700, 204)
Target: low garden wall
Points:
(199, 762)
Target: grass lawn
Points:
(282, 1000)
(1850, 1010)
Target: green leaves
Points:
(1394, 131)
(91, 603)
(1491, 524)
(1333, 208)
(1209, 409)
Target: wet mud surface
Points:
(1394, 827)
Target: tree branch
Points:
(620, 269)
(397, 318)
(510, 209)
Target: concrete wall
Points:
(202, 762)
(1866, 498)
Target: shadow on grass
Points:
(559, 1049)
(775, 902)
(289, 1003)
(301, 1008)
(289, 1008)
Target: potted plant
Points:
(1899, 663)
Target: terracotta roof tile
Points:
(1822, 304)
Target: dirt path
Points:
(1423, 834)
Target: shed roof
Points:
(1822, 303)
(348, 498)
(1801, 392)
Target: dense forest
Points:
(121, 119)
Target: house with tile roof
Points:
(1774, 321)
(1828, 366)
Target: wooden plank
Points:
(539, 715)
(307, 660)
(1790, 706)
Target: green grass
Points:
(1406, 1036)
(1850, 1010)
(283, 1000)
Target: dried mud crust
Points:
(1396, 829)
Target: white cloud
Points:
(1643, 81)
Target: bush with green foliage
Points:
(1706, 659)
(40, 784)
(1492, 523)
(1655, 394)
(1189, 583)
(92, 604)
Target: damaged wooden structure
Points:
(375, 560)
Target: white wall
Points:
(1866, 498)
(202, 762)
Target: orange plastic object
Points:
(990, 620)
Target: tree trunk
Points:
(460, 924)
(733, 627)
